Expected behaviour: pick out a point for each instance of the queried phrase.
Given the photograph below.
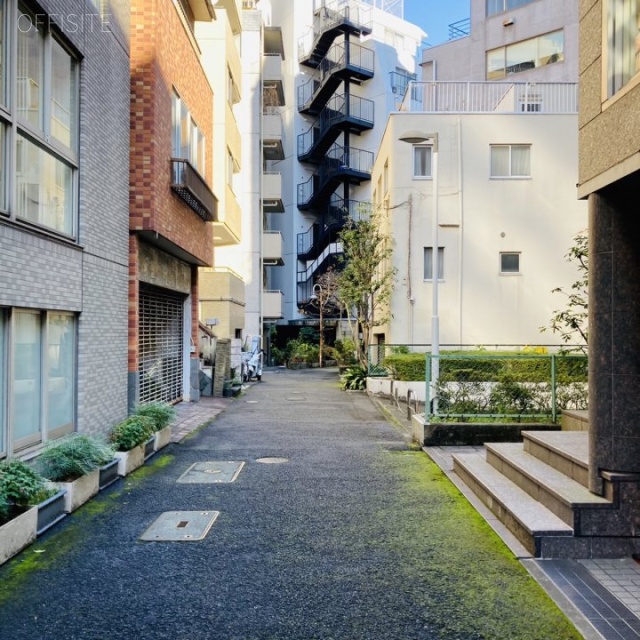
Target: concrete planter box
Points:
(18, 533)
(162, 438)
(149, 447)
(80, 491)
(51, 511)
(129, 461)
(108, 474)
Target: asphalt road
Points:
(353, 536)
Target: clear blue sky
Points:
(435, 16)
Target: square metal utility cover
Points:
(181, 526)
(211, 472)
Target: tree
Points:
(325, 291)
(366, 281)
(572, 321)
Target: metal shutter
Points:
(161, 345)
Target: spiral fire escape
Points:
(338, 62)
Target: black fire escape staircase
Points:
(337, 164)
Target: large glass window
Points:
(60, 372)
(26, 377)
(497, 6)
(623, 46)
(510, 161)
(30, 70)
(63, 95)
(188, 139)
(44, 188)
(527, 54)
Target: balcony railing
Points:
(191, 187)
(491, 97)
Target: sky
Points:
(435, 16)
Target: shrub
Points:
(354, 379)
(306, 353)
(71, 457)
(406, 366)
(161, 413)
(345, 351)
(20, 486)
(131, 432)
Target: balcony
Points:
(272, 305)
(273, 92)
(272, 192)
(227, 228)
(491, 97)
(192, 188)
(272, 148)
(272, 249)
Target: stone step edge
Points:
(538, 438)
(532, 516)
(553, 482)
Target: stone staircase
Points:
(538, 489)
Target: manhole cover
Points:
(211, 472)
(181, 526)
(272, 460)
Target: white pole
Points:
(435, 321)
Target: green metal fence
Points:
(518, 387)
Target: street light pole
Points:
(418, 137)
(317, 290)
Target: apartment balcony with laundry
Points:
(272, 192)
(272, 249)
(189, 185)
(343, 61)
(333, 19)
(325, 230)
(341, 166)
(342, 113)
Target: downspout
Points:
(460, 230)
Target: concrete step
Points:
(566, 451)
(529, 521)
(574, 420)
(559, 493)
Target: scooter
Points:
(252, 360)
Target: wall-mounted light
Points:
(507, 22)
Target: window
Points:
(188, 140)
(623, 43)
(525, 55)
(498, 6)
(400, 80)
(428, 263)
(44, 125)
(509, 263)
(422, 161)
(41, 375)
(510, 161)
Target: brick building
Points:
(171, 202)
(64, 116)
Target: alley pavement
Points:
(280, 514)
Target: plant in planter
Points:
(128, 438)
(74, 463)
(162, 415)
(354, 379)
(21, 489)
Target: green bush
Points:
(161, 413)
(306, 353)
(20, 486)
(69, 458)
(406, 366)
(131, 432)
(354, 379)
(345, 351)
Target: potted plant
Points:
(162, 415)
(73, 463)
(21, 489)
(128, 438)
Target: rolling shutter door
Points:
(161, 345)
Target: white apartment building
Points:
(499, 106)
